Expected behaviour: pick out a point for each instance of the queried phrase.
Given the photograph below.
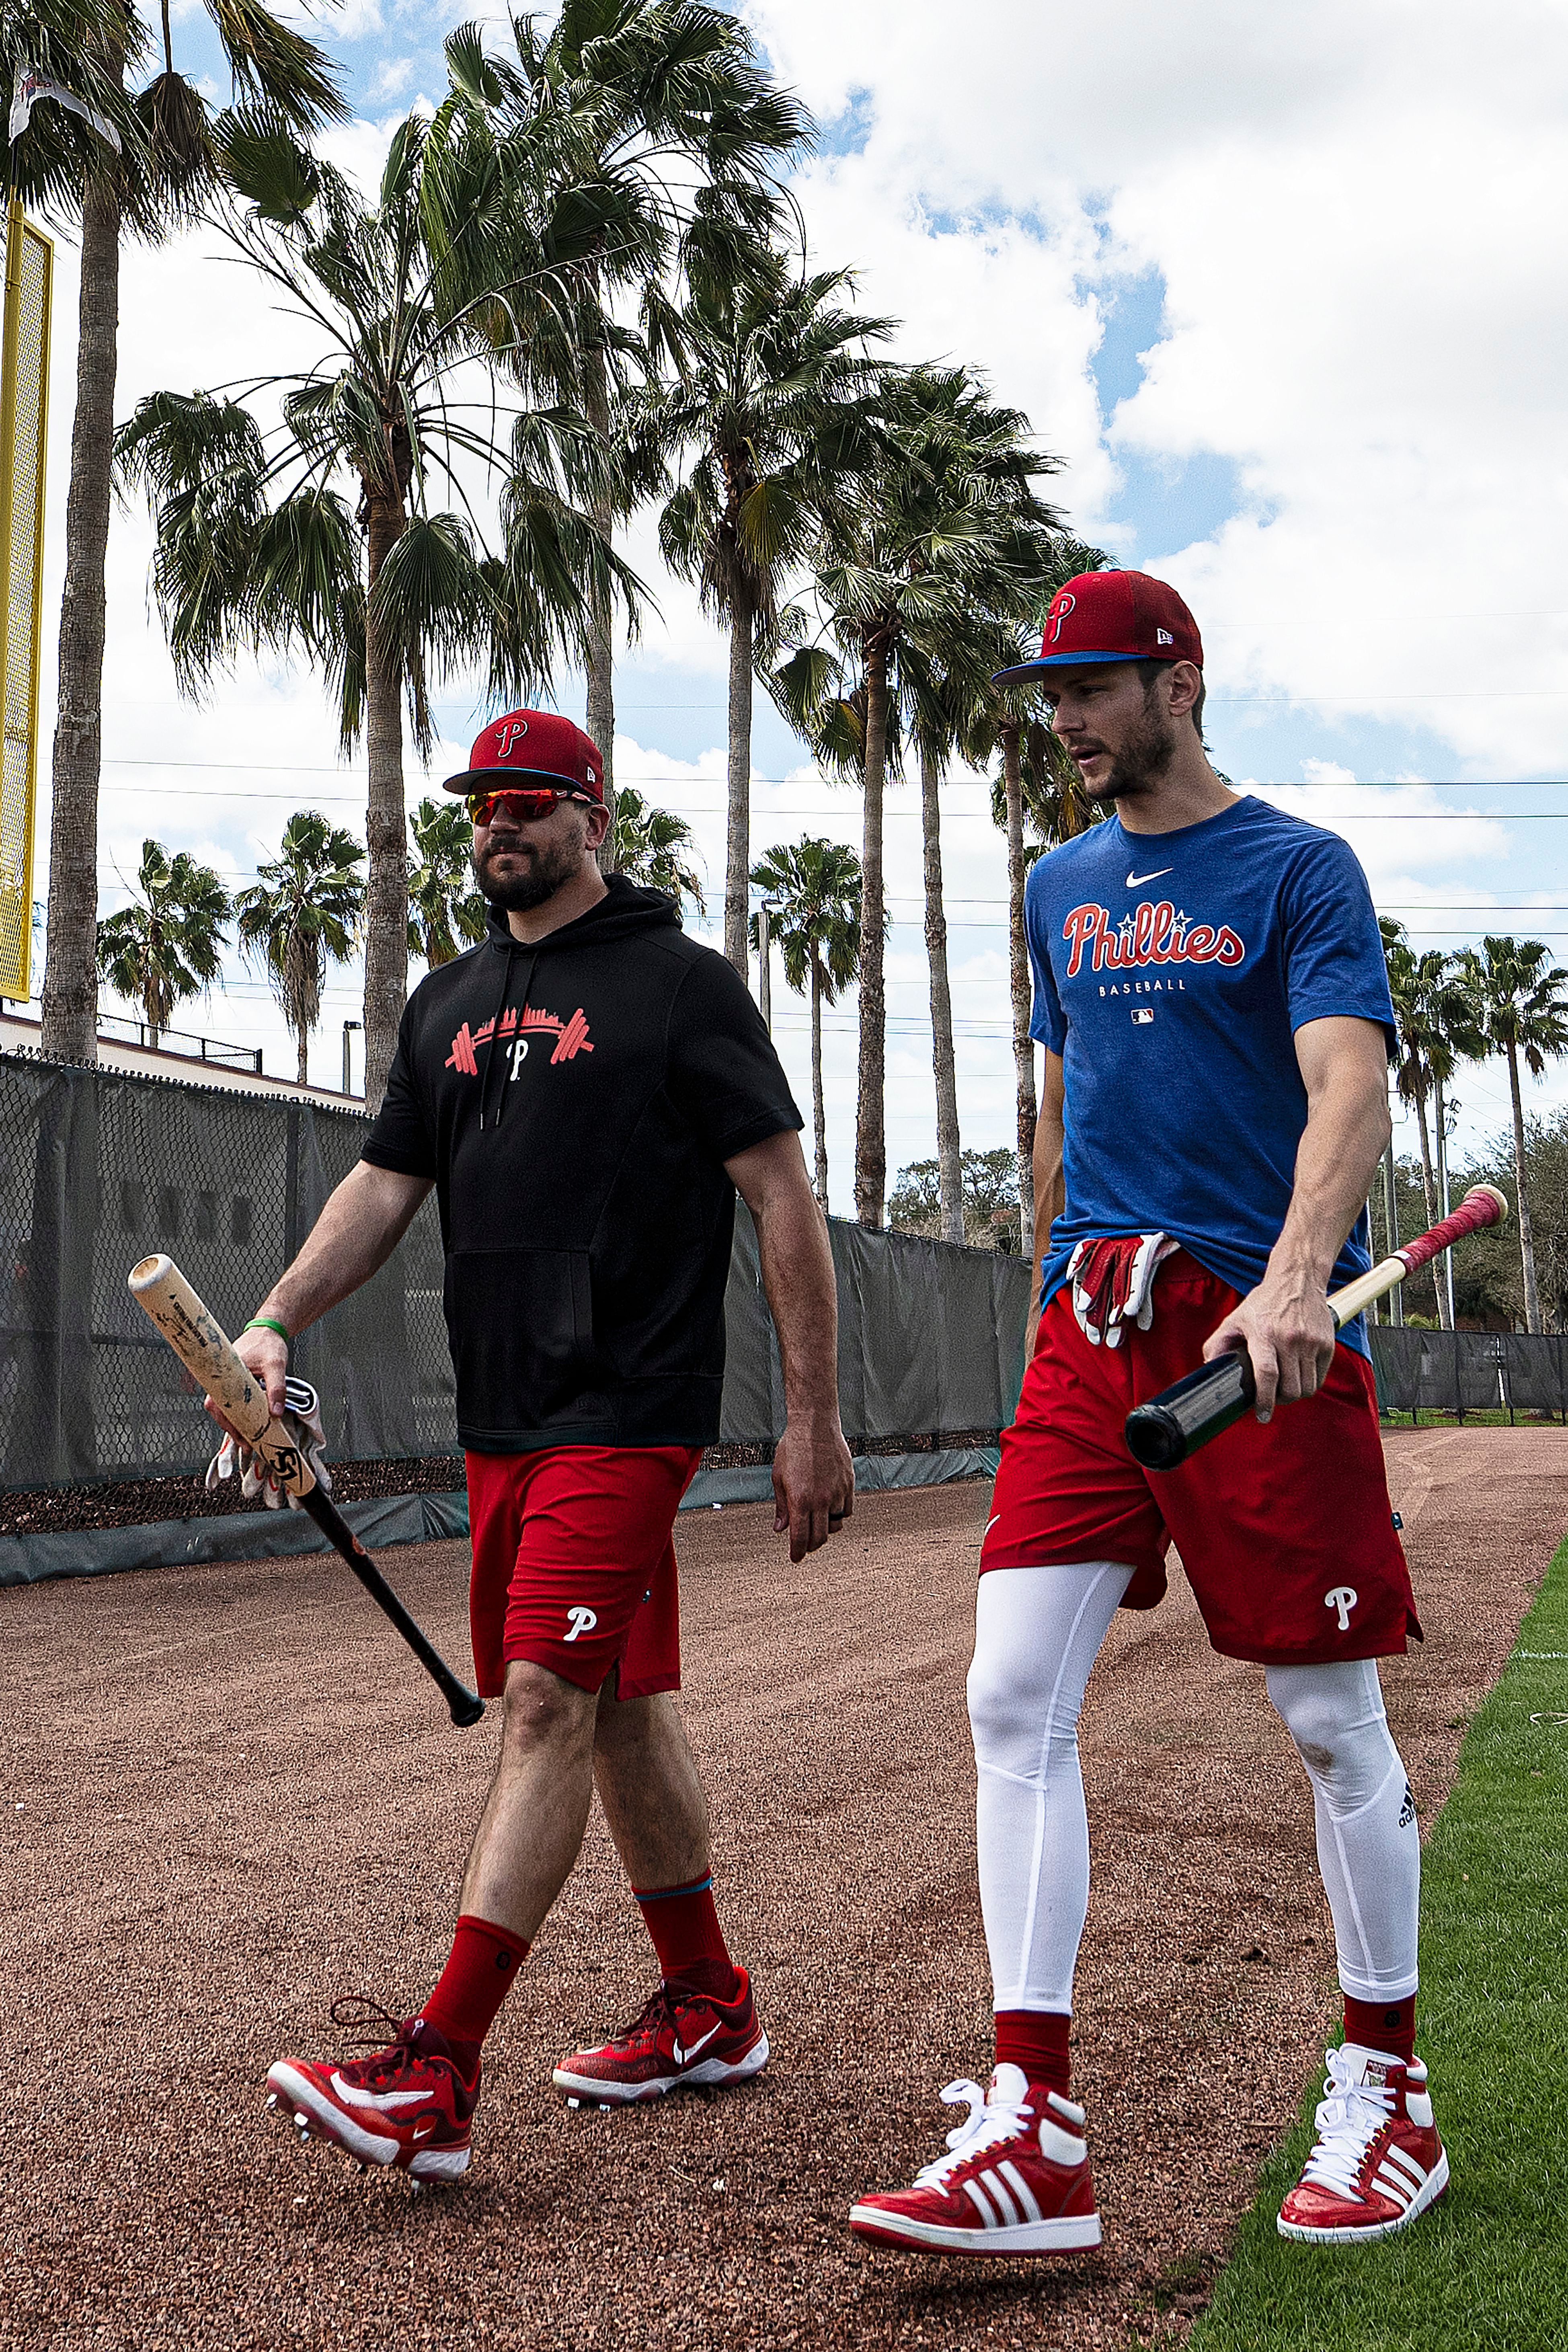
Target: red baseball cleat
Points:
(1377, 2161)
(1015, 2181)
(406, 2106)
(681, 2037)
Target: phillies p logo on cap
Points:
(532, 747)
(1111, 616)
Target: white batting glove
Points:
(302, 1418)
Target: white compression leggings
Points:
(1037, 1633)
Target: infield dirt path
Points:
(226, 1799)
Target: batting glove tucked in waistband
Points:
(1113, 1282)
(302, 1418)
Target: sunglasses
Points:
(522, 807)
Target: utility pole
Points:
(1442, 1109)
(348, 1026)
(764, 968)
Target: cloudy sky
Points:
(1284, 291)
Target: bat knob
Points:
(467, 1709)
(1155, 1437)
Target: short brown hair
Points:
(1150, 670)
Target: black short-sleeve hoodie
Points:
(575, 1103)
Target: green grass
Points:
(1488, 2266)
(1493, 1419)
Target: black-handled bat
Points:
(164, 1296)
(1172, 1425)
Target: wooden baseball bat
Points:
(202, 1345)
(1172, 1425)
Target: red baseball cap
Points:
(533, 745)
(1113, 616)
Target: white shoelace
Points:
(1349, 2119)
(985, 2126)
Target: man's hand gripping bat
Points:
(166, 1299)
(1172, 1425)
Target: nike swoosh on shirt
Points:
(692, 2048)
(1134, 879)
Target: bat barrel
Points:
(1163, 1433)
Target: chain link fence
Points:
(98, 1168)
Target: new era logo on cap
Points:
(534, 747)
(1113, 616)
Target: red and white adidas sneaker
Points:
(1377, 2161)
(406, 2105)
(1013, 2181)
(679, 2037)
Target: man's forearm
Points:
(356, 1233)
(803, 1298)
(1346, 1134)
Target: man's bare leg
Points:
(700, 2026)
(650, 1789)
(530, 1831)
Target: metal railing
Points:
(119, 1030)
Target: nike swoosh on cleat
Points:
(1133, 880)
(691, 2052)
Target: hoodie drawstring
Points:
(495, 1052)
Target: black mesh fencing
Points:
(1470, 1372)
(98, 1167)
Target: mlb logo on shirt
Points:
(1141, 1016)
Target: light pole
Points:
(348, 1025)
(765, 966)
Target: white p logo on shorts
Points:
(1343, 1597)
(582, 1621)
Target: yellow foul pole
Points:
(24, 434)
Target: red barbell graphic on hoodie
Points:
(571, 1036)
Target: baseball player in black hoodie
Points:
(586, 1091)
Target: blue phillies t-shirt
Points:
(1171, 971)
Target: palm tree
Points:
(908, 563)
(812, 888)
(656, 848)
(301, 913)
(1434, 1027)
(443, 905)
(642, 98)
(1517, 998)
(168, 943)
(767, 382)
(1038, 785)
(257, 547)
(152, 171)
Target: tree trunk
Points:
(303, 1037)
(738, 856)
(70, 1031)
(600, 714)
(949, 1151)
(386, 833)
(870, 1127)
(818, 1111)
(1428, 1186)
(1526, 1238)
(1023, 991)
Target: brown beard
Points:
(1137, 769)
(550, 869)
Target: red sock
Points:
(687, 1936)
(1036, 2040)
(473, 1984)
(1385, 2025)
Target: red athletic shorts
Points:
(1284, 1530)
(574, 1564)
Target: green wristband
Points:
(265, 1323)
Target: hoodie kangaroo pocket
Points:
(522, 1328)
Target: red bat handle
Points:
(1481, 1205)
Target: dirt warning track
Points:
(227, 1797)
